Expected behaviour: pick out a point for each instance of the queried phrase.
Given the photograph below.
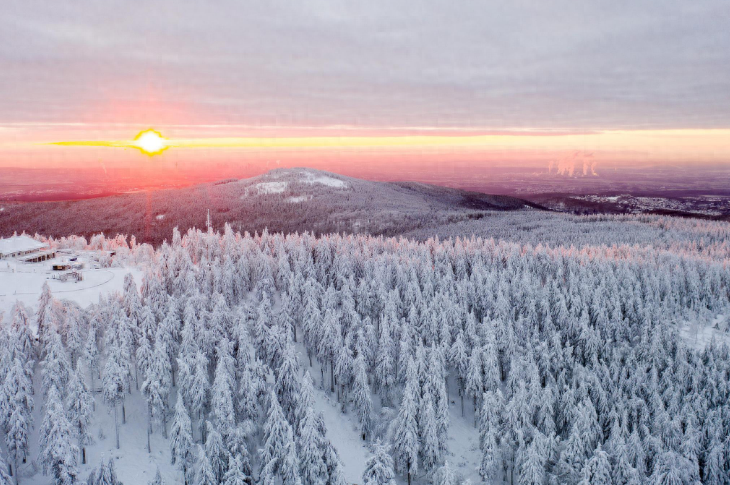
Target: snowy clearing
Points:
(270, 187)
(325, 180)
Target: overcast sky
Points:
(574, 65)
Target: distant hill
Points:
(282, 200)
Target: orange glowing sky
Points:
(363, 86)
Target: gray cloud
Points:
(552, 64)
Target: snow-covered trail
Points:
(342, 431)
(344, 436)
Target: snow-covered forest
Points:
(567, 364)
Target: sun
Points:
(150, 142)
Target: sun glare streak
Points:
(665, 145)
(150, 142)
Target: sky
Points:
(620, 81)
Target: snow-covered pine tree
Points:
(216, 453)
(16, 404)
(204, 474)
(288, 381)
(235, 475)
(222, 394)
(490, 431)
(405, 438)
(428, 436)
(310, 445)
(459, 359)
(181, 442)
(597, 469)
(79, 406)
(379, 467)
(156, 389)
(445, 475)
(361, 396)
(532, 466)
(278, 456)
(43, 314)
(106, 475)
(91, 355)
(55, 364)
(385, 363)
(58, 454)
(115, 383)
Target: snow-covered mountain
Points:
(282, 200)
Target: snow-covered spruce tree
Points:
(58, 454)
(156, 389)
(55, 364)
(204, 474)
(669, 468)
(490, 432)
(474, 379)
(597, 469)
(278, 456)
(384, 362)
(20, 327)
(235, 475)
(79, 405)
(437, 384)
(91, 356)
(405, 438)
(44, 313)
(428, 437)
(288, 381)
(344, 363)
(305, 401)
(222, 393)
(310, 447)
(115, 383)
(181, 442)
(459, 360)
(532, 466)
(330, 341)
(107, 474)
(195, 383)
(16, 404)
(445, 475)
(361, 396)
(216, 453)
(379, 467)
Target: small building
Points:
(18, 246)
(61, 267)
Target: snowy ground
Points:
(24, 281)
(699, 336)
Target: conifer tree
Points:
(58, 455)
(216, 453)
(361, 396)
(379, 467)
(79, 405)
(235, 475)
(204, 474)
(310, 447)
(405, 440)
(181, 442)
